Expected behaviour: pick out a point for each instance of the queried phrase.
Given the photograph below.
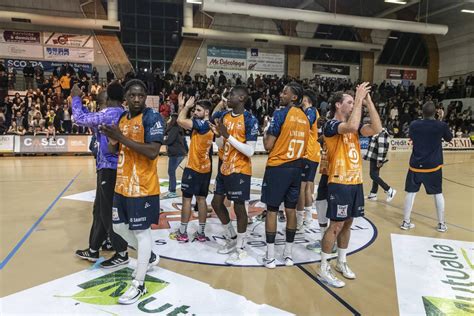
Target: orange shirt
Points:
(201, 142)
(313, 151)
(137, 176)
(291, 127)
(343, 150)
(243, 128)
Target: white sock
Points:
(270, 251)
(183, 228)
(231, 229)
(324, 259)
(288, 249)
(439, 202)
(299, 216)
(321, 209)
(341, 254)
(202, 228)
(323, 230)
(240, 240)
(409, 200)
(126, 234)
(281, 207)
(143, 253)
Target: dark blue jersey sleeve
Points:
(312, 116)
(277, 122)
(330, 129)
(154, 126)
(251, 127)
(201, 126)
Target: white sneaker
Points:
(327, 276)
(372, 197)
(407, 226)
(228, 247)
(236, 256)
(269, 263)
(133, 293)
(343, 268)
(289, 261)
(390, 194)
(442, 228)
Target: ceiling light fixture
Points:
(393, 37)
(396, 1)
(467, 11)
(194, 1)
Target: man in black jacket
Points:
(28, 74)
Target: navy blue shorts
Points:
(194, 183)
(309, 170)
(236, 187)
(322, 188)
(345, 201)
(432, 181)
(138, 212)
(281, 184)
(219, 185)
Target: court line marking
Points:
(331, 292)
(459, 183)
(33, 227)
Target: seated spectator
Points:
(50, 131)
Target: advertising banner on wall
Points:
(340, 70)
(266, 60)
(69, 54)
(21, 50)
(25, 37)
(221, 57)
(401, 74)
(62, 144)
(68, 40)
(48, 66)
(405, 144)
(6, 143)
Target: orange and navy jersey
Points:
(244, 128)
(291, 127)
(343, 151)
(201, 142)
(313, 150)
(218, 115)
(324, 164)
(137, 176)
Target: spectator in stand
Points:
(222, 79)
(110, 76)
(50, 131)
(66, 119)
(39, 75)
(28, 74)
(38, 124)
(65, 83)
(176, 148)
(95, 75)
(81, 73)
(84, 84)
(3, 84)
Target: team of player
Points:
(293, 144)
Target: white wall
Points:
(456, 50)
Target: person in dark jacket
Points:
(176, 144)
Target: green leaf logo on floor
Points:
(107, 289)
(437, 306)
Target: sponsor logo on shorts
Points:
(241, 181)
(115, 215)
(138, 219)
(235, 192)
(342, 210)
(147, 205)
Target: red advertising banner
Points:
(401, 74)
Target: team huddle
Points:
(297, 141)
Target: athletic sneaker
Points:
(327, 276)
(115, 261)
(236, 256)
(261, 217)
(442, 227)
(343, 268)
(107, 245)
(88, 255)
(390, 194)
(133, 293)
(289, 261)
(269, 263)
(228, 247)
(407, 225)
(250, 220)
(179, 237)
(154, 260)
(281, 217)
(316, 247)
(372, 196)
(171, 195)
(200, 237)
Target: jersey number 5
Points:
(292, 148)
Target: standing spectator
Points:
(110, 76)
(28, 74)
(3, 85)
(67, 120)
(65, 83)
(222, 79)
(377, 155)
(469, 83)
(11, 78)
(95, 75)
(81, 73)
(39, 75)
(176, 148)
